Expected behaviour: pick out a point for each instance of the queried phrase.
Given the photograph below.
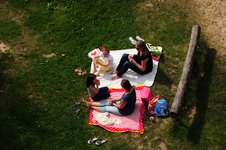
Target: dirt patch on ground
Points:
(17, 17)
(163, 146)
(211, 17)
(49, 55)
(192, 114)
(4, 47)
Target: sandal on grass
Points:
(93, 140)
(76, 112)
(75, 104)
(78, 70)
(98, 143)
(82, 73)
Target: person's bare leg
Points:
(91, 104)
(94, 65)
(96, 108)
(99, 72)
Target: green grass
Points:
(9, 30)
(35, 106)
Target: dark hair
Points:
(90, 79)
(106, 49)
(141, 44)
(126, 84)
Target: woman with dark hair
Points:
(122, 105)
(141, 62)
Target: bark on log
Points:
(186, 74)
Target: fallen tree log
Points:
(186, 74)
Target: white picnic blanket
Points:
(134, 78)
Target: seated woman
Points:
(141, 62)
(122, 105)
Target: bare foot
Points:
(114, 72)
(115, 78)
(86, 102)
(91, 100)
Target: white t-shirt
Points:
(106, 59)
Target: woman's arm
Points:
(111, 101)
(122, 104)
(116, 99)
(132, 55)
(143, 65)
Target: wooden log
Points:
(186, 74)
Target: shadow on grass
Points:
(202, 95)
(162, 78)
(19, 119)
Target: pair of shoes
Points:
(93, 140)
(82, 73)
(134, 41)
(75, 104)
(98, 143)
(150, 48)
(78, 70)
(76, 112)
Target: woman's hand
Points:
(130, 56)
(131, 60)
(110, 102)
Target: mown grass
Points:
(36, 112)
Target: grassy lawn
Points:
(36, 91)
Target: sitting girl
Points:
(96, 93)
(122, 105)
(106, 62)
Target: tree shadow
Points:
(162, 58)
(17, 114)
(202, 95)
(162, 78)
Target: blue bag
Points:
(161, 108)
